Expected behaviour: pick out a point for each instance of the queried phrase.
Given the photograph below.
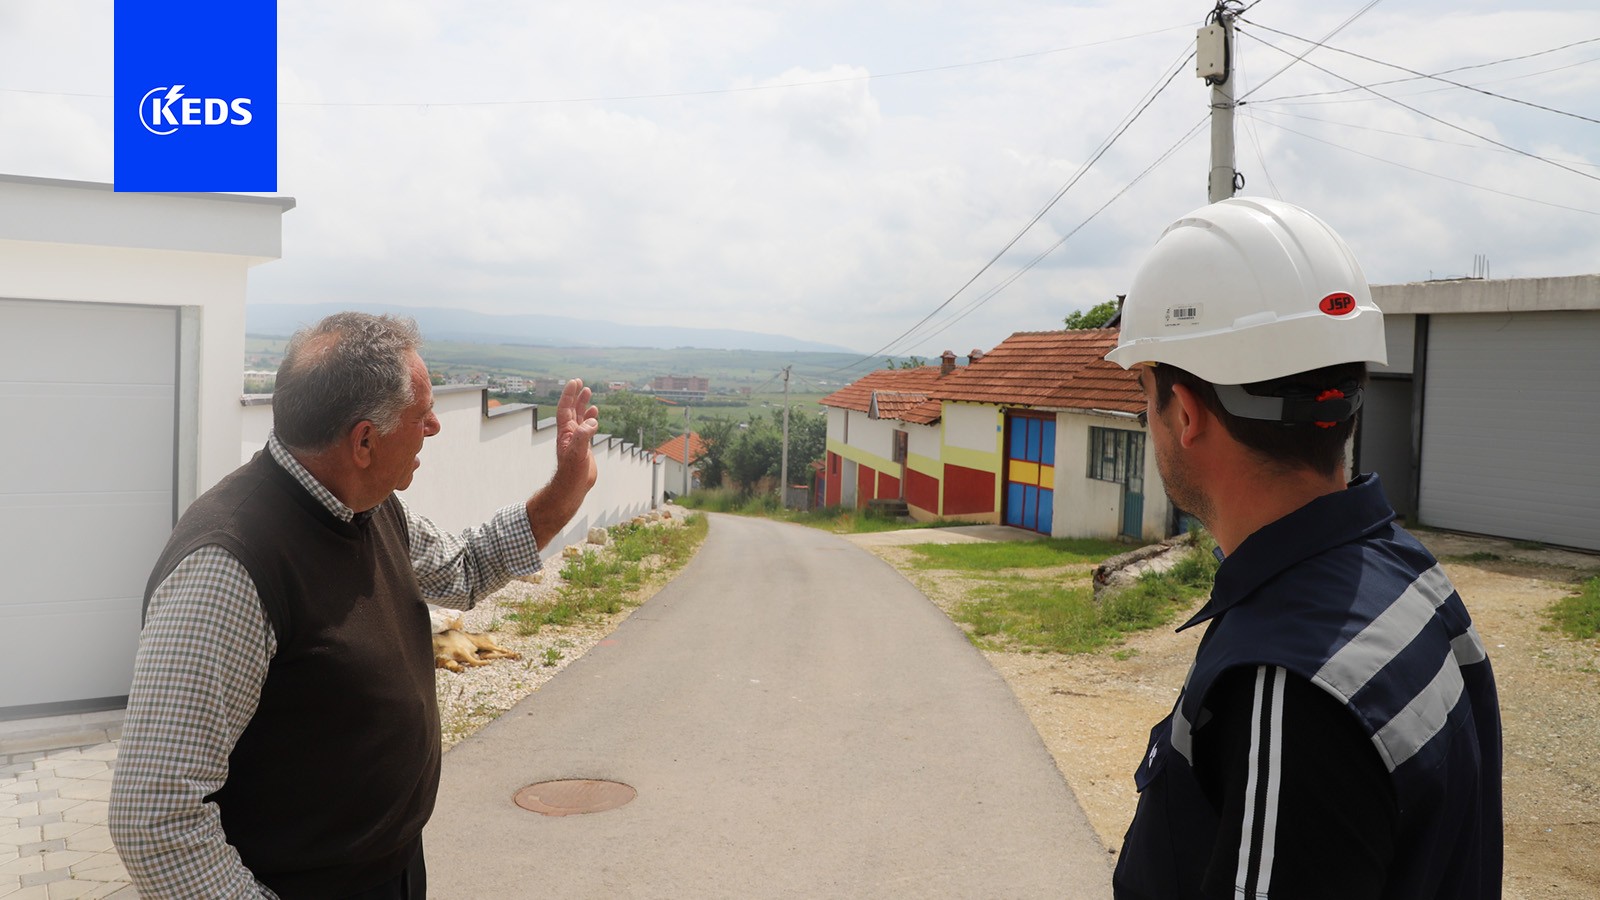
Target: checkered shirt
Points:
(202, 660)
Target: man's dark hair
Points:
(347, 368)
(1303, 445)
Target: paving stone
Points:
(93, 812)
(65, 859)
(71, 890)
(20, 810)
(20, 866)
(101, 867)
(45, 877)
(36, 795)
(107, 889)
(39, 892)
(93, 839)
(60, 830)
(87, 790)
(58, 804)
(43, 818)
(20, 835)
(83, 768)
(106, 752)
(41, 847)
(127, 893)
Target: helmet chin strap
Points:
(1293, 405)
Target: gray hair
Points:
(349, 367)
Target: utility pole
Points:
(783, 468)
(686, 451)
(1214, 62)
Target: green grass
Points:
(1019, 612)
(1038, 554)
(833, 518)
(1474, 557)
(1578, 616)
(598, 584)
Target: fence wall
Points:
(482, 460)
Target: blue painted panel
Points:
(1049, 451)
(1047, 510)
(1034, 433)
(1013, 503)
(1019, 439)
(1030, 514)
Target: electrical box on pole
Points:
(1211, 54)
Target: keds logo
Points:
(164, 110)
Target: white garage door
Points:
(87, 407)
(1511, 425)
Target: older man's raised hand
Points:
(554, 505)
(577, 423)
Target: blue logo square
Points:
(196, 96)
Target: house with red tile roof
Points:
(674, 460)
(1039, 433)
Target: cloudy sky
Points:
(839, 169)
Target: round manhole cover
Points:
(572, 796)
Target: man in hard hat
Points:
(1338, 733)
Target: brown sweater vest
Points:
(330, 784)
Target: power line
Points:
(1255, 138)
(992, 292)
(1482, 65)
(1105, 145)
(667, 94)
(1431, 90)
(1253, 109)
(1469, 184)
(1434, 118)
(1327, 37)
(1458, 84)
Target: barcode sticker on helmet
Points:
(1183, 315)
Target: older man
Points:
(282, 737)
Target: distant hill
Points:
(282, 319)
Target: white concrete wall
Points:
(973, 426)
(1089, 507)
(922, 440)
(477, 464)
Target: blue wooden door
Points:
(1030, 472)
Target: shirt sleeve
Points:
(458, 570)
(1307, 808)
(202, 659)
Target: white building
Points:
(121, 335)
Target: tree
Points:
(1093, 317)
(808, 440)
(624, 414)
(718, 436)
(910, 362)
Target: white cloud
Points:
(843, 211)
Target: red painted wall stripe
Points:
(967, 491)
(922, 491)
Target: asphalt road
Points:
(798, 721)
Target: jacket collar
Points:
(1328, 521)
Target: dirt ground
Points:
(1094, 711)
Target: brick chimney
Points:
(947, 363)
(974, 356)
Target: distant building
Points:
(680, 388)
(677, 456)
(259, 381)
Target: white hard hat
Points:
(1248, 290)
